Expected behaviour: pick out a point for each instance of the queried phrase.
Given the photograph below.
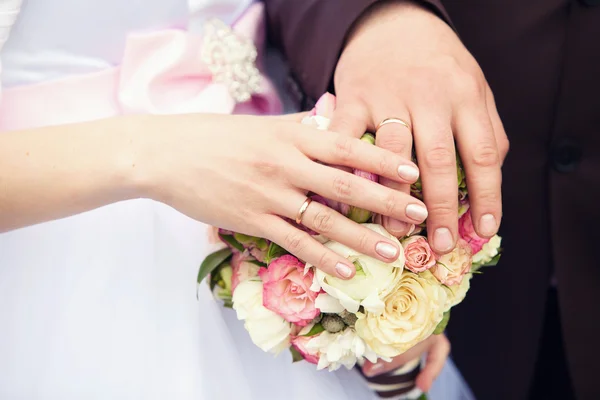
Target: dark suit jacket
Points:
(542, 61)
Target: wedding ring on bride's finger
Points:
(302, 210)
(394, 121)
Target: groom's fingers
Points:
(436, 359)
(350, 119)
(396, 137)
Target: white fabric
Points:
(103, 305)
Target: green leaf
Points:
(296, 356)
(492, 263)
(228, 303)
(213, 261)
(229, 239)
(315, 330)
(443, 324)
(494, 260)
(275, 251)
(422, 397)
(256, 262)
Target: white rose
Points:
(337, 349)
(412, 311)
(267, 330)
(373, 280)
(488, 251)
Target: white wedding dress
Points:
(103, 305)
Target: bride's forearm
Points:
(54, 172)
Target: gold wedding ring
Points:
(394, 121)
(302, 210)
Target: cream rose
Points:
(374, 279)
(267, 330)
(456, 294)
(451, 267)
(412, 311)
(488, 251)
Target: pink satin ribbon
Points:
(161, 73)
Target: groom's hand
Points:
(436, 348)
(401, 61)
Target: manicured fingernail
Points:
(442, 239)
(408, 172)
(397, 226)
(386, 250)
(343, 270)
(416, 212)
(488, 225)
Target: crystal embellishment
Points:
(231, 59)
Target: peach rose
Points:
(242, 269)
(451, 267)
(287, 290)
(418, 254)
(466, 230)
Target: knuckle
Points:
(325, 260)
(469, 85)
(296, 242)
(342, 187)
(488, 197)
(443, 208)
(364, 239)
(395, 143)
(440, 157)
(384, 166)
(390, 204)
(323, 221)
(343, 149)
(485, 155)
(503, 147)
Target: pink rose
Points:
(466, 230)
(299, 343)
(242, 269)
(324, 106)
(418, 254)
(286, 290)
(450, 268)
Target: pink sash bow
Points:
(165, 72)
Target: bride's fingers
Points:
(336, 149)
(347, 188)
(295, 117)
(335, 226)
(306, 248)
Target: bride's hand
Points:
(249, 174)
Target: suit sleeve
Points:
(311, 35)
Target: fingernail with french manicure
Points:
(416, 212)
(408, 172)
(386, 250)
(442, 239)
(488, 225)
(343, 270)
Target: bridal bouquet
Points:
(384, 310)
